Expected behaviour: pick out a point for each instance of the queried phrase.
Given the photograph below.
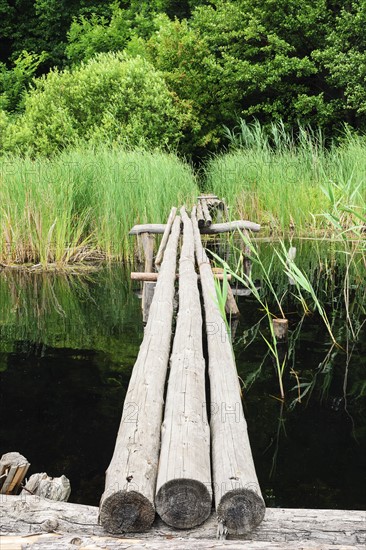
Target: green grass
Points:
(287, 183)
(84, 202)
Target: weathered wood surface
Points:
(297, 528)
(214, 229)
(206, 213)
(165, 237)
(239, 504)
(148, 246)
(142, 276)
(280, 329)
(183, 489)
(231, 307)
(147, 298)
(59, 542)
(54, 488)
(128, 500)
(200, 216)
(13, 468)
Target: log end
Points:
(183, 503)
(241, 510)
(125, 511)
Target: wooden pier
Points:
(182, 474)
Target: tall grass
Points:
(86, 201)
(282, 180)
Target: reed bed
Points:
(81, 204)
(287, 182)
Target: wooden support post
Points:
(200, 217)
(206, 213)
(147, 298)
(291, 255)
(231, 307)
(238, 499)
(280, 328)
(148, 245)
(127, 503)
(13, 469)
(164, 240)
(183, 491)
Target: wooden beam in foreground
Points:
(183, 491)
(143, 276)
(239, 504)
(127, 503)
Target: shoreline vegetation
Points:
(77, 207)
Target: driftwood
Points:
(13, 468)
(128, 500)
(54, 488)
(214, 229)
(165, 237)
(281, 528)
(239, 504)
(183, 491)
(153, 277)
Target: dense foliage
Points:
(301, 62)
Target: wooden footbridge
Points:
(178, 454)
(182, 472)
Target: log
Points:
(164, 240)
(239, 504)
(13, 469)
(127, 503)
(214, 229)
(200, 216)
(153, 277)
(183, 491)
(54, 488)
(34, 515)
(291, 255)
(206, 213)
(148, 245)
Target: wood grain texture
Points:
(239, 504)
(184, 495)
(216, 228)
(165, 237)
(281, 528)
(128, 500)
(206, 213)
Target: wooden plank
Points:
(5, 489)
(281, 526)
(239, 504)
(164, 240)
(214, 229)
(18, 478)
(183, 490)
(127, 503)
(142, 276)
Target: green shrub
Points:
(112, 98)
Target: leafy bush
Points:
(112, 98)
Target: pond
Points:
(68, 345)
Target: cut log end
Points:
(241, 510)
(126, 511)
(183, 503)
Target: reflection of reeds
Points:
(84, 202)
(67, 311)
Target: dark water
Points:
(67, 348)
